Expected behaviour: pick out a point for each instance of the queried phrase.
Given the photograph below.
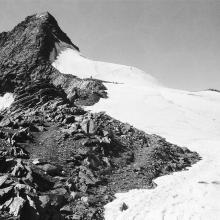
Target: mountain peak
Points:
(38, 36)
(32, 44)
(45, 14)
(43, 17)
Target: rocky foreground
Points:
(58, 161)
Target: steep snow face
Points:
(6, 100)
(72, 62)
(185, 118)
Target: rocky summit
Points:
(57, 160)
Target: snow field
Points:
(185, 118)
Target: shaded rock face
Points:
(37, 35)
(58, 161)
(27, 53)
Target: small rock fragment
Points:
(123, 207)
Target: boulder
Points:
(92, 127)
(23, 189)
(5, 192)
(18, 152)
(3, 179)
(72, 129)
(53, 198)
(88, 126)
(66, 209)
(126, 128)
(90, 142)
(22, 170)
(73, 195)
(16, 206)
(59, 191)
(69, 119)
(5, 205)
(21, 135)
(44, 201)
(50, 169)
(84, 199)
(86, 176)
(38, 161)
(6, 123)
(57, 201)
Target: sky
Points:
(176, 41)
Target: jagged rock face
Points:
(27, 53)
(58, 161)
(38, 36)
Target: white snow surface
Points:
(72, 62)
(190, 119)
(6, 100)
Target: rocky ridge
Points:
(58, 161)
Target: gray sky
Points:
(176, 41)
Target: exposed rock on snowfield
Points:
(57, 160)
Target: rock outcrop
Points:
(26, 55)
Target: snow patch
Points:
(6, 100)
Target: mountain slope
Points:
(186, 118)
(58, 160)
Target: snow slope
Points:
(185, 118)
(72, 62)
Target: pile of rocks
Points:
(95, 152)
(26, 192)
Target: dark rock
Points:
(69, 119)
(31, 209)
(18, 152)
(50, 169)
(23, 189)
(66, 209)
(23, 171)
(3, 179)
(22, 135)
(88, 126)
(6, 123)
(126, 128)
(6, 204)
(57, 198)
(78, 136)
(123, 207)
(90, 142)
(59, 191)
(73, 129)
(86, 176)
(5, 192)
(3, 162)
